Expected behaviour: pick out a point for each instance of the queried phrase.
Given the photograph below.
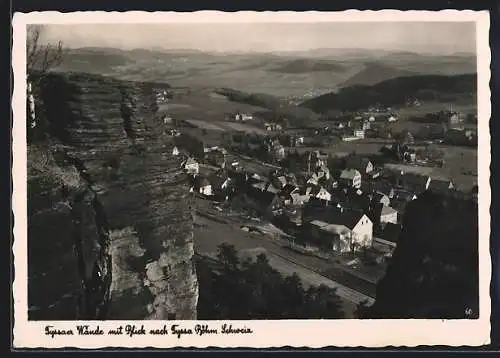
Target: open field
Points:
(360, 146)
(201, 104)
(460, 166)
(458, 162)
(433, 107)
(243, 127)
(204, 125)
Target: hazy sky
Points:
(434, 37)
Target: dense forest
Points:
(396, 92)
(235, 288)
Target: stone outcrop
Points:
(110, 225)
(434, 272)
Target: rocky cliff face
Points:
(434, 271)
(110, 231)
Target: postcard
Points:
(251, 179)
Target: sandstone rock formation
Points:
(110, 229)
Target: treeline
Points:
(295, 115)
(254, 99)
(252, 289)
(396, 92)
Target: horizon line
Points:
(275, 52)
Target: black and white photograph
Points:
(251, 170)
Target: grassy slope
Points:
(374, 73)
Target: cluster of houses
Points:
(449, 127)
(357, 127)
(342, 211)
(162, 96)
(242, 117)
(275, 127)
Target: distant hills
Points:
(396, 91)
(308, 65)
(373, 73)
(292, 74)
(93, 60)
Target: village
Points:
(335, 214)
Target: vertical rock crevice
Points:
(93, 255)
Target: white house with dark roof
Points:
(388, 215)
(331, 236)
(345, 230)
(392, 118)
(319, 192)
(287, 193)
(191, 166)
(379, 197)
(300, 197)
(350, 178)
(201, 185)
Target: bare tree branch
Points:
(42, 57)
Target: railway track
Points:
(344, 292)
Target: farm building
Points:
(287, 193)
(276, 150)
(222, 185)
(167, 119)
(361, 164)
(359, 133)
(350, 178)
(318, 192)
(388, 215)
(191, 166)
(330, 236)
(350, 138)
(381, 198)
(454, 119)
(341, 230)
(202, 185)
(392, 118)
